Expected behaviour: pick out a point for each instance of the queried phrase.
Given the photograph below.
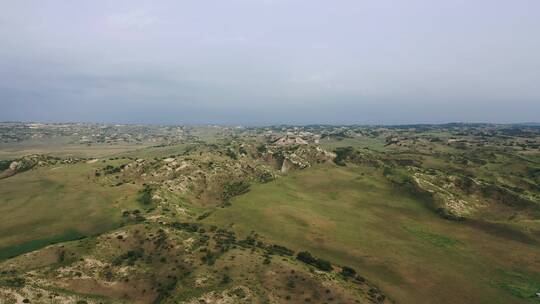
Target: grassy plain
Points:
(353, 216)
(53, 204)
(376, 144)
(62, 147)
(155, 151)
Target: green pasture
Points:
(353, 216)
(58, 203)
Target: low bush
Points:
(307, 258)
(341, 155)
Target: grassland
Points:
(62, 147)
(53, 204)
(353, 216)
(155, 151)
(376, 144)
(219, 200)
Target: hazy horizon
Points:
(533, 123)
(269, 62)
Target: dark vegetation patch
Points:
(12, 251)
(145, 195)
(347, 272)
(191, 227)
(8, 280)
(234, 188)
(231, 153)
(129, 258)
(4, 164)
(306, 257)
(109, 169)
(342, 153)
(281, 250)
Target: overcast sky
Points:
(270, 61)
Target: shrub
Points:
(209, 258)
(111, 169)
(348, 271)
(261, 149)
(191, 227)
(13, 282)
(323, 265)
(265, 177)
(145, 195)
(307, 258)
(281, 250)
(341, 155)
(248, 241)
(234, 188)
(230, 153)
(4, 164)
(226, 279)
(203, 216)
(129, 257)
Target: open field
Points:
(376, 144)
(154, 151)
(53, 204)
(61, 147)
(353, 216)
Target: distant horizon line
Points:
(530, 123)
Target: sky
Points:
(270, 61)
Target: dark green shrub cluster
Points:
(265, 177)
(261, 149)
(307, 258)
(341, 155)
(13, 282)
(4, 164)
(190, 227)
(230, 153)
(234, 188)
(145, 195)
(161, 238)
(129, 257)
(226, 279)
(348, 272)
(112, 169)
(281, 250)
(242, 150)
(209, 258)
(249, 241)
(224, 239)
